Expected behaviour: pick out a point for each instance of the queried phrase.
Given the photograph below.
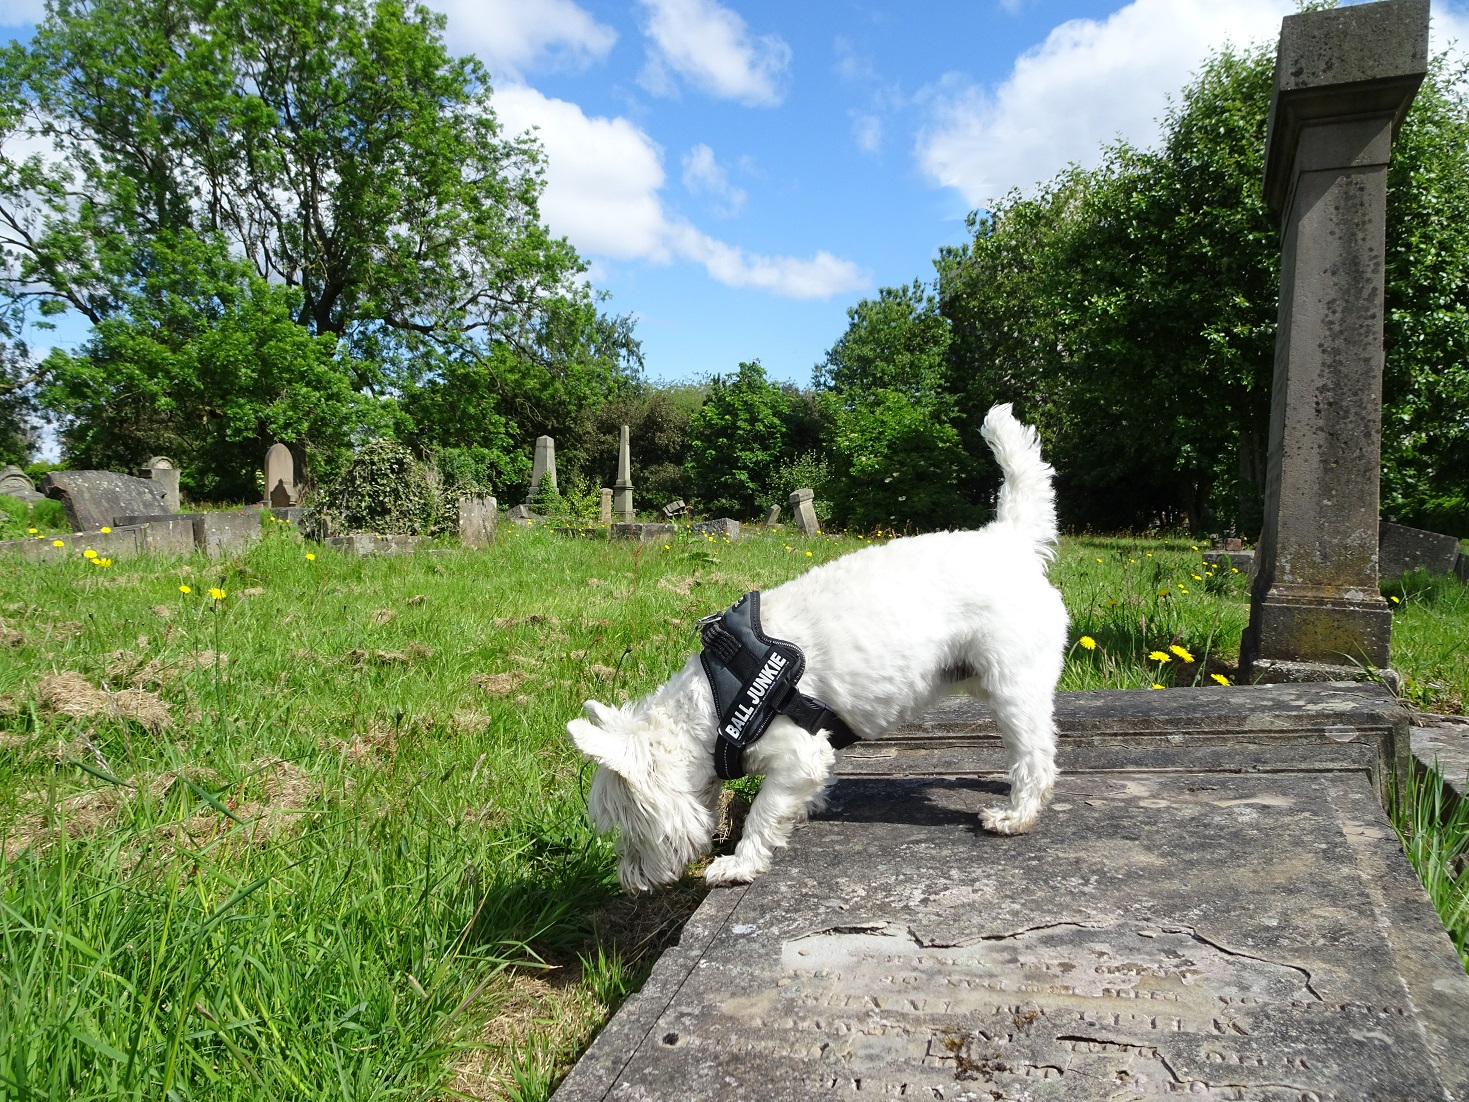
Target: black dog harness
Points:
(753, 678)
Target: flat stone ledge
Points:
(1445, 750)
(1241, 937)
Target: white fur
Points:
(884, 630)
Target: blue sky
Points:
(738, 173)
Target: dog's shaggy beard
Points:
(661, 802)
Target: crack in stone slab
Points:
(1202, 940)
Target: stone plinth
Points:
(1343, 81)
(478, 515)
(1215, 904)
(1401, 549)
(95, 498)
(804, 513)
(645, 533)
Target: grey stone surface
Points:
(604, 506)
(1445, 749)
(280, 477)
(1343, 80)
(1243, 561)
(290, 514)
(94, 498)
(1461, 567)
(645, 533)
(521, 515)
(675, 508)
(543, 466)
(15, 483)
(228, 532)
(117, 542)
(772, 518)
(369, 543)
(1191, 933)
(1401, 549)
(478, 516)
(622, 503)
(164, 473)
(166, 533)
(804, 513)
(721, 529)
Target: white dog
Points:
(886, 631)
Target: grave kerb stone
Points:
(643, 532)
(166, 533)
(1343, 81)
(722, 528)
(227, 532)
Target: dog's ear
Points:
(603, 747)
(600, 712)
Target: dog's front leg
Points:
(797, 767)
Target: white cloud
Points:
(603, 179)
(1449, 25)
(1090, 82)
(16, 13)
(711, 47)
(510, 36)
(704, 175)
(867, 130)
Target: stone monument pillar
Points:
(478, 514)
(162, 470)
(1343, 81)
(543, 467)
(604, 506)
(622, 510)
(281, 490)
(804, 512)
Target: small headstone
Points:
(772, 518)
(604, 507)
(478, 514)
(15, 483)
(1461, 567)
(723, 528)
(1401, 549)
(95, 498)
(644, 533)
(543, 467)
(675, 509)
(1234, 543)
(804, 512)
(165, 473)
(622, 507)
(521, 515)
(280, 477)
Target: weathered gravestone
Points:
(227, 532)
(1343, 82)
(166, 533)
(1214, 905)
(543, 468)
(15, 483)
(622, 507)
(280, 477)
(162, 471)
(804, 512)
(604, 506)
(1401, 549)
(94, 499)
(723, 528)
(641, 532)
(675, 508)
(772, 518)
(478, 514)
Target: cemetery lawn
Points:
(323, 835)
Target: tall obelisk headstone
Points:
(622, 510)
(543, 467)
(1343, 81)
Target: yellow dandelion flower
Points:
(1196, 578)
(1132, 560)
(1193, 548)
(1099, 560)
(216, 594)
(104, 562)
(58, 543)
(1234, 569)
(185, 589)
(1395, 601)
(1185, 655)
(1182, 590)
(665, 547)
(1219, 677)
(808, 554)
(1160, 656)
(1156, 685)
(1087, 642)
(1164, 593)
(1149, 554)
(31, 531)
(311, 556)
(89, 554)
(104, 529)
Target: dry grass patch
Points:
(498, 684)
(71, 694)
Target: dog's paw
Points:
(1006, 820)
(730, 870)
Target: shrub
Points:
(383, 489)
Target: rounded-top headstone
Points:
(161, 463)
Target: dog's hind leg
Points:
(1023, 713)
(797, 767)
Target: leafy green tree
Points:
(1130, 310)
(739, 439)
(895, 456)
(336, 148)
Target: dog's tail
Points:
(1027, 500)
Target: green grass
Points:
(354, 864)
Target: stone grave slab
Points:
(722, 528)
(642, 532)
(227, 532)
(166, 533)
(1193, 916)
(96, 498)
(1401, 549)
